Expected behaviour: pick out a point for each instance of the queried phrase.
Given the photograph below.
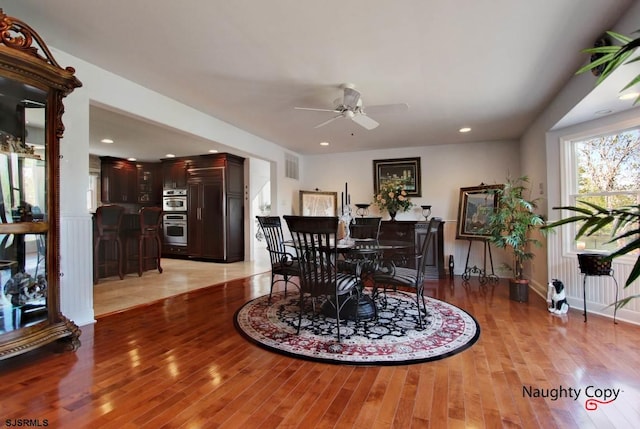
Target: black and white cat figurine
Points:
(556, 298)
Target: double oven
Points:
(174, 221)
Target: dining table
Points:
(360, 257)
(363, 256)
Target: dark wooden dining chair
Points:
(389, 275)
(359, 263)
(284, 266)
(366, 227)
(315, 241)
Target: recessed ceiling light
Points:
(213, 150)
(107, 141)
(464, 129)
(170, 155)
(629, 96)
(324, 143)
(604, 112)
(131, 159)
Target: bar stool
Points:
(108, 221)
(150, 229)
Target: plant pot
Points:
(592, 264)
(519, 290)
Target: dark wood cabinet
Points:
(414, 233)
(215, 208)
(149, 183)
(32, 88)
(435, 257)
(127, 182)
(118, 181)
(205, 202)
(174, 173)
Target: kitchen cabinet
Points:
(118, 181)
(127, 182)
(174, 173)
(149, 183)
(205, 231)
(33, 86)
(215, 208)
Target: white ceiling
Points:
(492, 65)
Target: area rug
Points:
(394, 338)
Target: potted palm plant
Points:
(606, 58)
(509, 227)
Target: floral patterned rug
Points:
(394, 338)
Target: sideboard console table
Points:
(416, 232)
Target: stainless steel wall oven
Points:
(174, 200)
(175, 229)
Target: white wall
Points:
(107, 89)
(445, 169)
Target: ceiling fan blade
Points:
(364, 121)
(317, 110)
(387, 108)
(351, 97)
(328, 121)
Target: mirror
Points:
(23, 199)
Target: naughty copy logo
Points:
(592, 395)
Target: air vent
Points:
(291, 167)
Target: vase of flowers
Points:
(392, 197)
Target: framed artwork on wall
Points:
(313, 203)
(405, 169)
(474, 207)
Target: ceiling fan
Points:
(351, 107)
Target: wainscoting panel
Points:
(76, 267)
(600, 290)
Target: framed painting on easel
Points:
(475, 205)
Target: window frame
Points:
(569, 177)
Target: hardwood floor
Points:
(179, 362)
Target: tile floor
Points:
(112, 295)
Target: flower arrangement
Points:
(392, 197)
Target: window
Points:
(92, 192)
(605, 171)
